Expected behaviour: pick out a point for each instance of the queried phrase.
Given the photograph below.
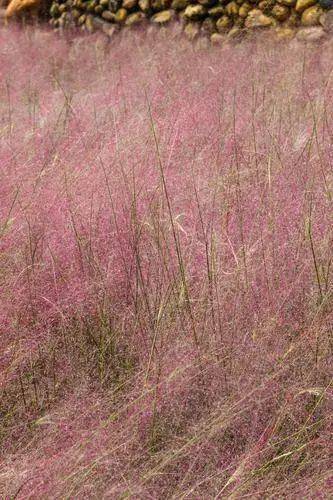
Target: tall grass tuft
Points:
(165, 268)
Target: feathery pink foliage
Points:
(166, 285)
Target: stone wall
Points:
(217, 20)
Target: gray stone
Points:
(108, 16)
(163, 17)
(326, 20)
(313, 34)
(180, 4)
(195, 12)
(135, 18)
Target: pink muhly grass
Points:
(166, 255)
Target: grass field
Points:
(166, 246)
